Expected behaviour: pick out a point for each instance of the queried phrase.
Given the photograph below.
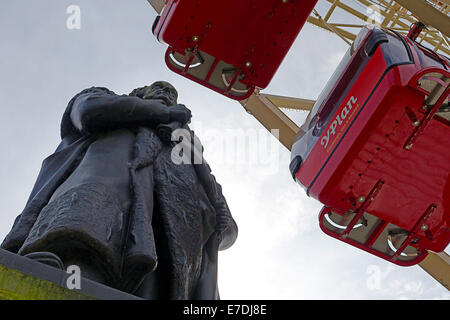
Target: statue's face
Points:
(161, 91)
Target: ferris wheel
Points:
(386, 106)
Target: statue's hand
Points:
(222, 223)
(180, 113)
(223, 217)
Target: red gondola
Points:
(375, 149)
(230, 46)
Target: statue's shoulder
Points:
(91, 90)
(67, 128)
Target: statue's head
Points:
(159, 90)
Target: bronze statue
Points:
(111, 200)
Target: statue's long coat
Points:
(186, 216)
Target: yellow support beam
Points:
(438, 266)
(272, 118)
(348, 37)
(351, 10)
(427, 14)
(289, 102)
(394, 16)
(391, 11)
(158, 5)
(330, 12)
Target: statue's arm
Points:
(226, 226)
(97, 112)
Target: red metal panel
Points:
(352, 104)
(253, 35)
(414, 179)
(391, 141)
(368, 246)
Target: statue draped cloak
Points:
(184, 209)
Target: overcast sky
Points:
(280, 252)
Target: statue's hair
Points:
(140, 92)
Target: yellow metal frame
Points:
(266, 109)
(397, 15)
(158, 5)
